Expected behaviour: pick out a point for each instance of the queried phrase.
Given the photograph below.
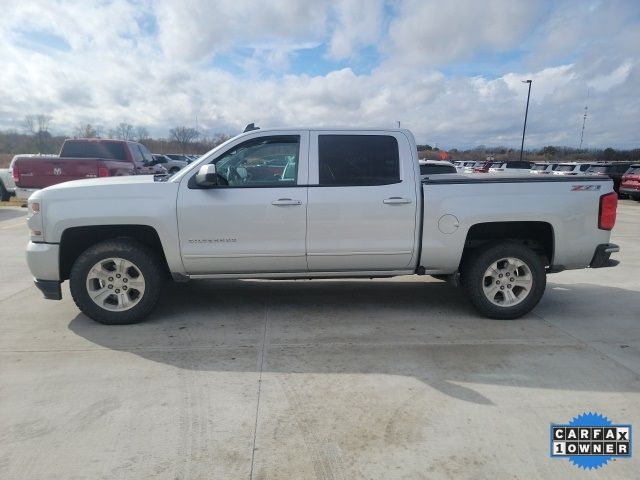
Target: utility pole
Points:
(526, 112)
(584, 120)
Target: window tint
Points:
(635, 170)
(584, 168)
(136, 153)
(261, 162)
(358, 160)
(84, 149)
(146, 154)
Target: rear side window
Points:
(358, 160)
(107, 150)
(584, 167)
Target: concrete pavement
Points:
(382, 379)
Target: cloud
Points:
(162, 63)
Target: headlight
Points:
(34, 221)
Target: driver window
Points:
(261, 162)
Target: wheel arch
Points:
(539, 236)
(75, 240)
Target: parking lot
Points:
(366, 379)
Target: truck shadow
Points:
(421, 329)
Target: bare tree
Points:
(183, 136)
(142, 134)
(86, 130)
(38, 126)
(123, 131)
(29, 124)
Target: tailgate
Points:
(43, 172)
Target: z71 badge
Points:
(585, 188)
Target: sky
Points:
(450, 70)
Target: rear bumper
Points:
(630, 191)
(601, 257)
(50, 288)
(25, 193)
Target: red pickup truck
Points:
(78, 159)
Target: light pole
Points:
(526, 112)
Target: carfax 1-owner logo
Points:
(590, 440)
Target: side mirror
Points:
(207, 176)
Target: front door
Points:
(255, 220)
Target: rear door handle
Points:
(283, 202)
(396, 201)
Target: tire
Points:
(123, 275)
(525, 283)
(5, 195)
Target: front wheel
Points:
(116, 282)
(504, 281)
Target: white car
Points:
(512, 167)
(465, 166)
(349, 203)
(543, 168)
(572, 168)
(170, 165)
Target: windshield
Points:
(565, 168)
(633, 171)
(495, 165)
(602, 169)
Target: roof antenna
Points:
(250, 128)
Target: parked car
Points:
(79, 159)
(630, 183)
(543, 168)
(614, 171)
(466, 166)
(170, 165)
(571, 168)
(180, 157)
(482, 167)
(7, 184)
(434, 167)
(353, 204)
(514, 167)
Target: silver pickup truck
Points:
(315, 203)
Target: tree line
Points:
(36, 137)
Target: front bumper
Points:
(50, 288)
(601, 257)
(43, 260)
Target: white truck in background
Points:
(342, 203)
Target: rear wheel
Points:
(116, 282)
(504, 281)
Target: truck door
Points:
(362, 212)
(255, 221)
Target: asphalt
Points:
(366, 379)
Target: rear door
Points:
(362, 212)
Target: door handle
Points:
(396, 201)
(283, 202)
